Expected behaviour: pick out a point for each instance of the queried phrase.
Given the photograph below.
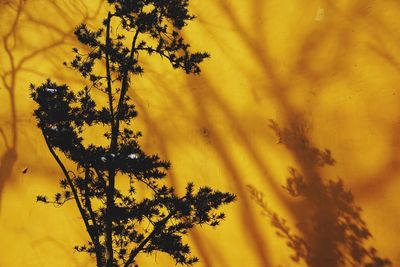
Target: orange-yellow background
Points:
(333, 64)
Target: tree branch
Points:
(159, 52)
(140, 247)
(113, 146)
(109, 82)
(124, 85)
(71, 185)
(92, 215)
(4, 138)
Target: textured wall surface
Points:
(328, 68)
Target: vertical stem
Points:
(125, 83)
(108, 218)
(109, 82)
(111, 175)
(92, 216)
(115, 122)
(114, 140)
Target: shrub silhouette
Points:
(122, 222)
(334, 233)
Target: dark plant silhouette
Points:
(334, 233)
(121, 220)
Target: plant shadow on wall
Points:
(121, 220)
(281, 85)
(333, 233)
(16, 64)
(311, 44)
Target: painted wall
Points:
(330, 68)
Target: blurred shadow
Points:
(308, 157)
(14, 66)
(9, 156)
(332, 232)
(200, 99)
(153, 129)
(280, 86)
(46, 240)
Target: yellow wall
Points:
(331, 64)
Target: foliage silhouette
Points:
(122, 222)
(335, 233)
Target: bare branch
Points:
(71, 185)
(159, 226)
